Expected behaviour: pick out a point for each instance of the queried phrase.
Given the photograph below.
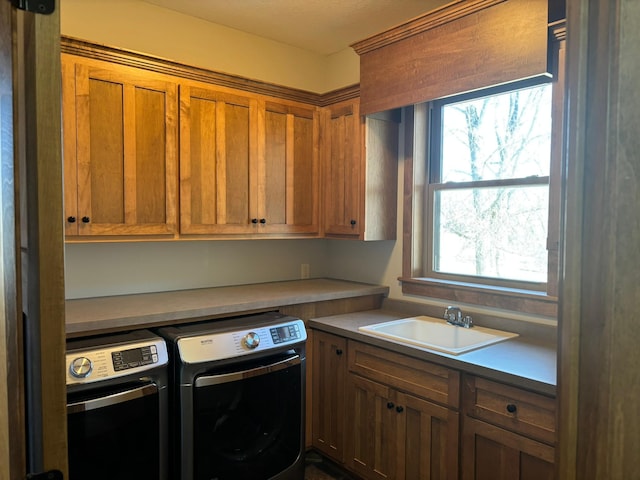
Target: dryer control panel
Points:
(111, 361)
(207, 347)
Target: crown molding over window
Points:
(462, 47)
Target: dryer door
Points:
(248, 422)
(115, 433)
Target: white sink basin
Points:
(436, 334)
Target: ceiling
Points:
(320, 26)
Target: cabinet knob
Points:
(263, 220)
(71, 219)
(399, 409)
(352, 222)
(339, 351)
(86, 219)
(254, 220)
(511, 408)
(390, 405)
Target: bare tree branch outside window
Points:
(491, 208)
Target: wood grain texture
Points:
(599, 427)
(426, 380)
(122, 147)
(360, 175)
(12, 411)
(43, 247)
(328, 390)
(424, 66)
(534, 417)
(491, 453)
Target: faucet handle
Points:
(467, 321)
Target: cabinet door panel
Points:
(275, 175)
(342, 215)
(215, 154)
(491, 453)
(373, 429)
(126, 150)
(288, 176)
(430, 447)
(328, 392)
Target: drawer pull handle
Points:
(390, 405)
(511, 408)
(399, 409)
(339, 351)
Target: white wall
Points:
(100, 269)
(147, 28)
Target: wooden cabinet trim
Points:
(418, 377)
(534, 415)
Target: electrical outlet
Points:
(304, 270)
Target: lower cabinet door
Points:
(492, 453)
(397, 436)
(428, 440)
(372, 430)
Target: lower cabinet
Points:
(507, 433)
(384, 415)
(493, 453)
(328, 394)
(393, 435)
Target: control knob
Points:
(251, 340)
(81, 367)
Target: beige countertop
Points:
(522, 361)
(90, 316)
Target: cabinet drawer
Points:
(408, 374)
(520, 411)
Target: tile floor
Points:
(318, 468)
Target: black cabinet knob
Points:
(399, 409)
(352, 222)
(254, 220)
(511, 408)
(86, 219)
(390, 405)
(263, 220)
(71, 219)
(339, 351)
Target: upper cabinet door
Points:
(288, 169)
(343, 170)
(361, 173)
(247, 166)
(120, 150)
(217, 151)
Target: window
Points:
(482, 209)
(488, 188)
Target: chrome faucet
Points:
(454, 316)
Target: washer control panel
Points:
(207, 347)
(103, 362)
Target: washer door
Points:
(114, 434)
(248, 423)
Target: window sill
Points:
(523, 301)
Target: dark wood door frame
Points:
(32, 247)
(598, 387)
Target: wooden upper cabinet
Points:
(216, 144)
(289, 169)
(120, 149)
(361, 171)
(247, 166)
(343, 170)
